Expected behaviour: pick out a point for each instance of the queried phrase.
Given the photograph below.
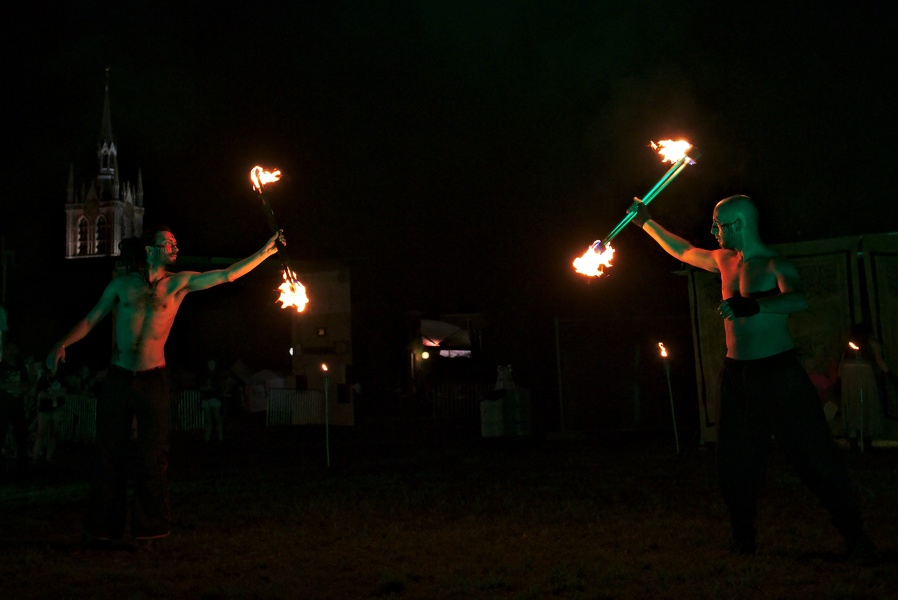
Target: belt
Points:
(145, 372)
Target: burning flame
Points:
(663, 350)
(260, 177)
(672, 151)
(593, 262)
(324, 366)
(293, 293)
(854, 346)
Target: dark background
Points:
(460, 154)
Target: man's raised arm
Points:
(672, 243)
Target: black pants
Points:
(774, 396)
(125, 397)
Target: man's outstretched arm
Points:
(203, 281)
(672, 243)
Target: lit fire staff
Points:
(764, 389)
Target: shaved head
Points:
(739, 207)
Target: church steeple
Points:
(100, 217)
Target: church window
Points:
(101, 235)
(81, 248)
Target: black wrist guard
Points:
(641, 213)
(743, 307)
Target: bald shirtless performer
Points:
(764, 389)
(144, 302)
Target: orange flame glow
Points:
(663, 349)
(670, 150)
(293, 293)
(853, 346)
(593, 263)
(260, 177)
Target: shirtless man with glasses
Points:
(144, 302)
(764, 389)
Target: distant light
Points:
(324, 366)
(425, 355)
(291, 350)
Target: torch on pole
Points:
(856, 349)
(673, 414)
(327, 438)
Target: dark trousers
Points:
(126, 397)
(774, 396)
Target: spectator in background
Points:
(50, 403)
(15, 386)
(880, 361)
(211, 391)
(83, 382)
(4, 328)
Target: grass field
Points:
(420, 510)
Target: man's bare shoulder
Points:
(780, 264)
(724, 256)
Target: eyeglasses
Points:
(170, 245)
(715, 225)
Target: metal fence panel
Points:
(186, 411)
(79, 418)
(458, 400)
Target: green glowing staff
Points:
(599, 254)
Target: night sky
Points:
(462, 152)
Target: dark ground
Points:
(418, 509)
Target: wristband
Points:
(743, 307)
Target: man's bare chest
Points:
(149, 299)
(747, 278)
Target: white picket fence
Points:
(295, 407)
(285, 407)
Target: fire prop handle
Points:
(292, 291)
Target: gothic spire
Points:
(106, 125)
(106, 151)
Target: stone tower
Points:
(101, 216)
